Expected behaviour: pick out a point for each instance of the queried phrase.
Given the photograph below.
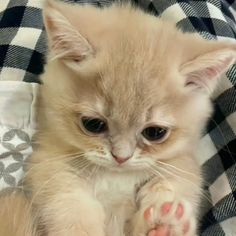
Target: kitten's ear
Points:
(203, 71)
(65, 41)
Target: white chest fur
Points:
(117, 192)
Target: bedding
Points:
(17, 125)
(22, 50)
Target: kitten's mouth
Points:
(116, 166)
(124, 167)
(112, 165)
(121, 166)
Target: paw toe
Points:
(179, 211)
(170, 218)
(165, 208)
(148, 214)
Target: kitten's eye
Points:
(155, 133)
(94, 125)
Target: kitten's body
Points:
(116, 192)
(129, 72)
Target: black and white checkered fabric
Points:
(22, 49)
(22, 40)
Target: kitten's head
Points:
(124, 87)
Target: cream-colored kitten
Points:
(125, 96)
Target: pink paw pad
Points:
(166, 207)
(148, 214)
(161, 230)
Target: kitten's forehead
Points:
(131, 101)
(133, 81)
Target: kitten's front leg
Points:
(63, 202)
(167, 207)
(75, 213)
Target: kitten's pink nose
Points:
(120, 160)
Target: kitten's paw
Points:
(170, 218)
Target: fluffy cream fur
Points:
(131, 69)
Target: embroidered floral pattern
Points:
(15, 146)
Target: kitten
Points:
(124, 99)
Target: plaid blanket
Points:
(22, 49)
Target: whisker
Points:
(59, 157)
(177, 169)
(155, 171)
(188, 181)
(176, 176)
(34, 165)
(93, 172)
